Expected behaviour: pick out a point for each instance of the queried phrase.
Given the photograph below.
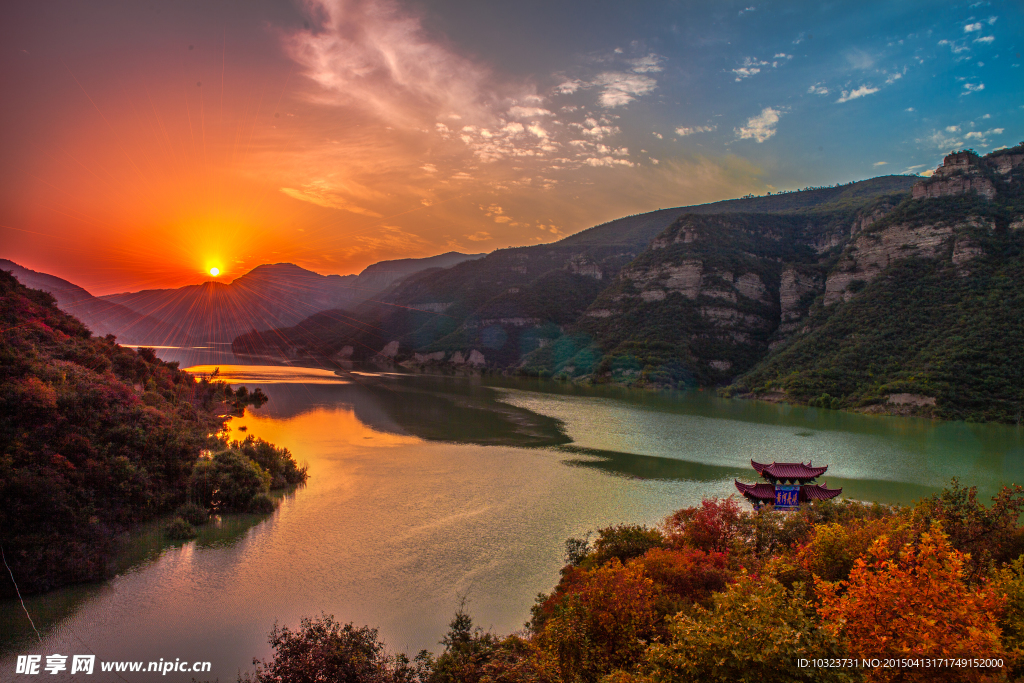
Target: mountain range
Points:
(897, 294)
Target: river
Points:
(426, 490)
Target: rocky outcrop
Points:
(579, 264)
(964, 250)
(692, 280)
(960, 173)
(873, 252)
(794, 285)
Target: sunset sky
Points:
(146, 142)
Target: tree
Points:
(324, 651)
(228, 481)
(600, 622)
(918, 603)
(756, 632)
(466, 650)
(712, 527)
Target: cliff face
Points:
(921, 310)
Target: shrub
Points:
(228, 481)
(712, 527)
(196, 515)
(324, 650)
(625, 541)
(180, 530)
(756, 632)
(262, 504)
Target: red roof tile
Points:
(759, 491)
(818, 492)
(788, 470)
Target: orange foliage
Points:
(601, 622)
(915, 604)
(691, 575)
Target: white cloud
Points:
(972, 87)
(862, 91)
(607, 161)
(783, 55)
(762, 126)
(942, 141)
(569, 87)
(970, 28)
(745, 72)
(373, 55)
(657, 135)
(619, 88)
(880, 163)
(985, 39)
(518, 112)
(992, 20)
(683, 131)
(952, 129)
(595, 129)
(649, 64)
(817, 89)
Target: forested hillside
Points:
(95, 437)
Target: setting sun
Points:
(214, 271)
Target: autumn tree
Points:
(601, 622)
(756, 632)
(914, 603)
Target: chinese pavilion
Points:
(789, 484)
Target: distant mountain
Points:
(515, 301)
(269, 296)
(100, 316)
(639, 230)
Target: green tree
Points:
(228, 481)
(756, 632)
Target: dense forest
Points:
(96, 437)
(720, 593)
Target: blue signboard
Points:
(787, 497)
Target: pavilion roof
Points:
(759, 491)
(766, 492)
(818, 492)
(788, 470)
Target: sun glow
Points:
(215, 271)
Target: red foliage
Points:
(689, 574)
(710, 527)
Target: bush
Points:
(625, 541)
(324, 650)
(756, 632)
(279, 462)
(228, 481)
(180, 530)
(196, 515)
(262, 504)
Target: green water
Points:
(424, 489)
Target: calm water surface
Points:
(424, 489)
